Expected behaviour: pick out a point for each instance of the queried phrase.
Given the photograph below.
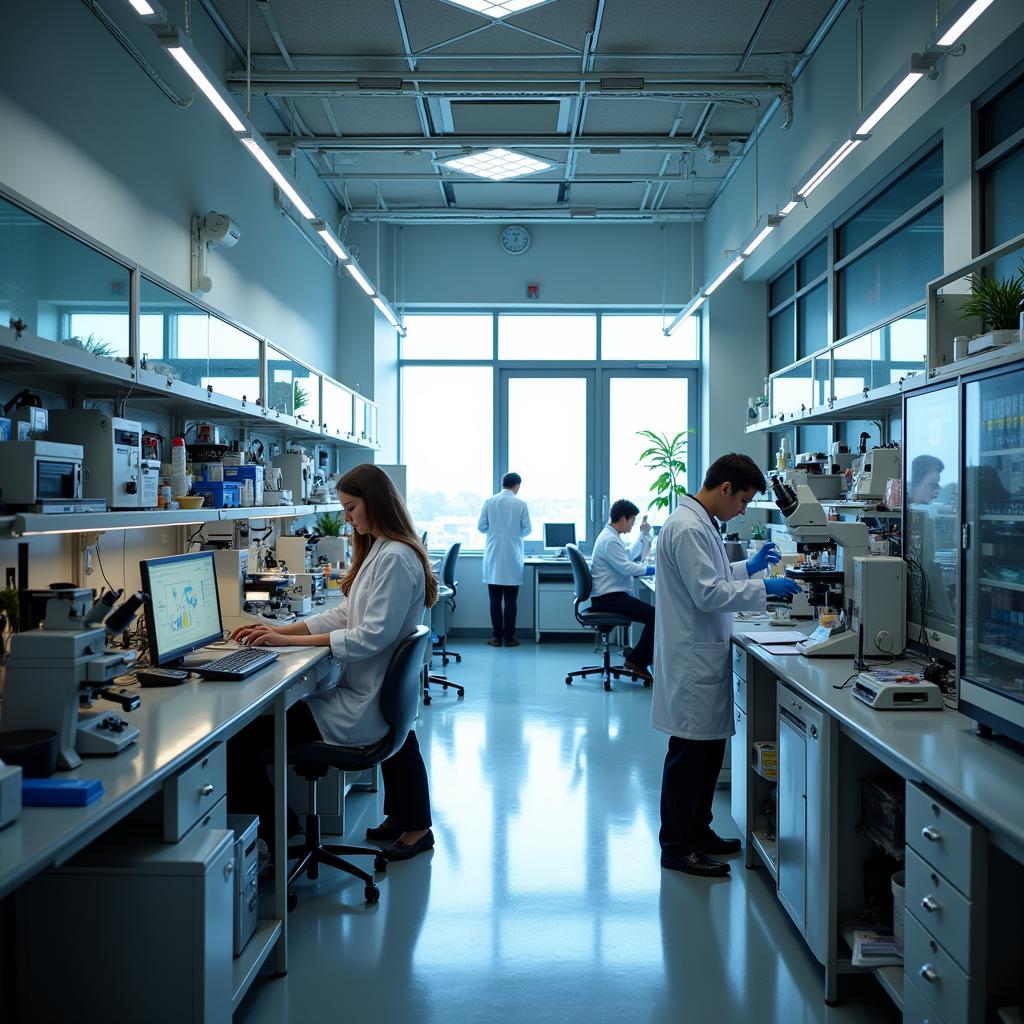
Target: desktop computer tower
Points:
(246, 887)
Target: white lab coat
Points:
(505, 521)
(613, 565)
(383, 607)
(698, 591)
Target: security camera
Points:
(220, 229)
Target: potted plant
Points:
(331, 544)
(665, 457)
(997, 303)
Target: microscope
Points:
(867, 593)
(55, 673)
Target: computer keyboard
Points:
(237, 664)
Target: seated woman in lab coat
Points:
(386, 590)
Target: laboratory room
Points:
(512, 511)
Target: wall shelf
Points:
(855, 407)
(30, 524)
(839, 507)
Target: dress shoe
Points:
(511, 643)
(639, 670)
(695, 863)
(403, 851)
(714, 843)
(493, 643)
(384, 833)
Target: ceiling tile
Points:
(668, 26)
(791, 25)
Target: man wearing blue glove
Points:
(613, 567)
(698, 592)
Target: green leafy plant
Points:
(328, 524)
(758, 531)
(9, 606)
(92, 344)
(996, 302)
(665, 457)
(301, 399)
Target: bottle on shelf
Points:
(179, 457)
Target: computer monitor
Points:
(557, 535)
(182, 605)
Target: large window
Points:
(1001, 171)
(556, 397)
(798, 320)
(448, 449)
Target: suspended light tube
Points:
(895, 89)
(723, 275)
(333, 244)
(149, 10)
(827, 167)
(770, 225)
(389, 315)
(685, 313)
(960, 23)
(789, 207)
(192, 64)
(360, 278)
(268, 164)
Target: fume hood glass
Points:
(337, 409)
(292, 388)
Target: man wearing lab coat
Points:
(698, 591)
(504, 521)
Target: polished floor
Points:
(543, 899)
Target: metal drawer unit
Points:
(194, 792)
(944, 949)
(739, 661)
(739, 692)
(916, 1009)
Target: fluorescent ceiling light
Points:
(386, 310)
(828, 167)
(192, 69)
(685, 313)
(900, 90)
(789, 207)
(497, 8)
(360, 278)
(963, 23)
(143, 8)
(278, 175)
(333, 244)
(771, 224)
(723, 275)
(497, 164)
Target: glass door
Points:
(658, 400)
(993, 648)
(545, 431)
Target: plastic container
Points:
(179, 457)
(898, 892)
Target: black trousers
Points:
(622, 603)
(406, 792)
(503, 622)
(687, 789)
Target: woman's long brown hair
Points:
(387, 516)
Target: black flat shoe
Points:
(382, 833)
(714, 843)
(695, 863)
(403, 851)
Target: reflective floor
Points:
(543, 899)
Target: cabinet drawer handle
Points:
(930, 903)
(928, 973)
(206, 789)
(229, 868)
(931, 833)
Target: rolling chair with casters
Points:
(601, 622)
(399, 705)
(449, 580)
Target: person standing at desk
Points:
(613, 568)
(504, 521)
(698, 592)
(386, 589)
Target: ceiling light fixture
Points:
(771, 223)
(193, 66)
(686, 312)
(497, 164)
(266, 162)
(827, 167)
(959, 21)
(497, 8)
(333, 244)
(895, 89)
(149, 10)
(723, 275)
(360, 278)
(789, 207)
(389, 314)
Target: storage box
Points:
(252, 473)
(765, 759)
(5, 429)
(882, 812)
(219, 493)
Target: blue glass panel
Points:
(783, 344)
(812, 321)
(1003, 200)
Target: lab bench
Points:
(962, 846)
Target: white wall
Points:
(88, 136)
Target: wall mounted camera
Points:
(208, 231)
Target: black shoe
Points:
(695, 863)
(403, 851)
(714, 843)
(383, 833)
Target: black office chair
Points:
(447, 576)
(399, 705)
(601, 622)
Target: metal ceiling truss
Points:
(608, 145)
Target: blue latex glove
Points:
(769, 554)
(649, 571)
(780, 586)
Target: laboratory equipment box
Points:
(254, 474)
(164, 909)
(219, 493)
(246, 886)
